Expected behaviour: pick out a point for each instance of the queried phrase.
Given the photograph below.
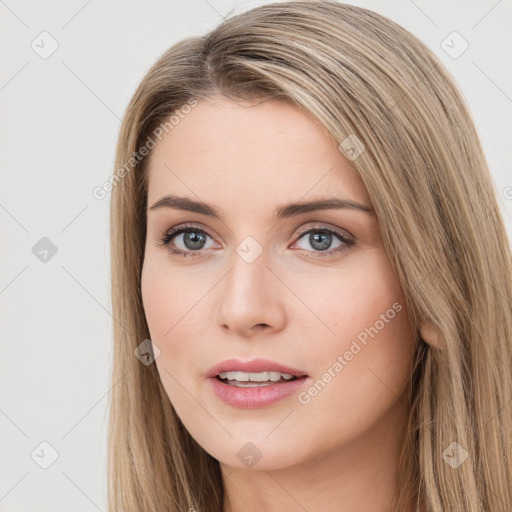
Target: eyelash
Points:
(174, 232)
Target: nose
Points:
(251, 298)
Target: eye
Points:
(191, 241)
(187, 241)
(321, 238)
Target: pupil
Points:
(315, 238)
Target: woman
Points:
(310, 265)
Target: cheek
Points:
(370, 354)
(168, 301)
(360, 315)
(174, 313)
(167, 294)
(158, 299)
(345, 301)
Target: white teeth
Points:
(255, 377)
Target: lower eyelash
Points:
(185, 254)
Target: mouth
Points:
(255, 370)
(254, 384)
(253, 380)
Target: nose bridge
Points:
(248, 268)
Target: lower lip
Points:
(255, 397)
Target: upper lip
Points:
(252, 366)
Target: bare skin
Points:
(333, 450)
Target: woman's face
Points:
(311, 290)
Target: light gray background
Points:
(60, 118)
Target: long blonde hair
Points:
(361, 76)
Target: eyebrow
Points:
(283, 212)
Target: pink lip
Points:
(254, 397)
(253, 366)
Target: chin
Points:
(257, 455)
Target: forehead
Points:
(259, 152)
